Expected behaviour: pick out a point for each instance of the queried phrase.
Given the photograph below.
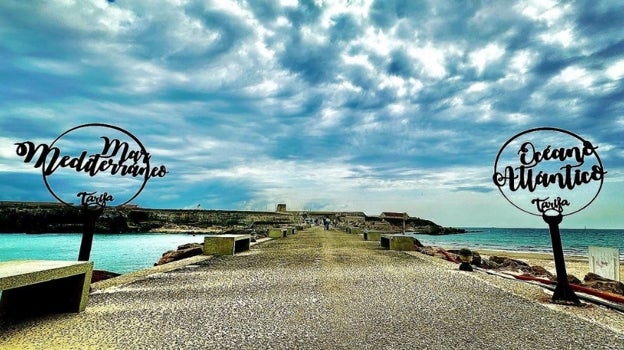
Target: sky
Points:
(370, 106)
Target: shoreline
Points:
(575, 264)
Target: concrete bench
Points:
(277, 232)
(354, 230)
(397, 242)
(44, 286)
(372, 235)
(226, 244)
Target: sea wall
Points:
(40, 217)
(162, 219)
(31, 217)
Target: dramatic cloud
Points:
(365, 105)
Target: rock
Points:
(167, 256)
(100, 275)
(476, 259)
(454, 254)
(488, 264)
(510, 264)
(188, 245)
(465, 267)
(595, 281)
(540, 271)
(591, 277)
(184, 251)
(573, 280)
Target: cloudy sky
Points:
(371, 105)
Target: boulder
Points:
(167, 257)
(188, 245)
(464, 266)
(476, 259)
(488, 264)
(591, 277)
(573, 280)
(510, 264)
(540, 271)
(595, 281)
(184, 251)
(100, 275)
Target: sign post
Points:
(536, 171)
(90, 217)
(112, 158)
(563, 291)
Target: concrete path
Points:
(312, 290)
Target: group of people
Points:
(325, 221)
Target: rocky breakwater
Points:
(191, 249)
(526, 271)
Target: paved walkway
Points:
(313, 290)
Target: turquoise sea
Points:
(574, 241)
(123, 253)
(120, 253)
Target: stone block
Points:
(355, 230)
(372, 235)
(276, 233)
(226, 244)
(397, 242)
(42, 286)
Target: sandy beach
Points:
(575, 265)
(319, 290)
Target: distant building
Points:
(281, 208)
(394, 216)
(395, 219)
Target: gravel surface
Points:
(312, 290)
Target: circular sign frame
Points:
(134, 138)
(122, 156)
(498, 177)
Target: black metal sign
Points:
(116, 164)
(552, 173)
(116, 154)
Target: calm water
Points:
(124, 253)
(121, 253)
(574, 241)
